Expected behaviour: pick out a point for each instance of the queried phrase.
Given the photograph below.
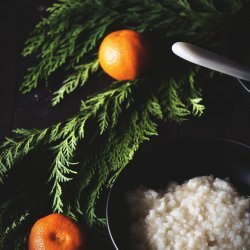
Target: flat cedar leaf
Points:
(87, 152)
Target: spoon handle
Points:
(211, 60)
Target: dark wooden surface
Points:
(227, 105)
(227, 112)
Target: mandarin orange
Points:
(124, 54)
(56, 232)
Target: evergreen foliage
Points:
(87, 152)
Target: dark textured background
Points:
(227, 106)
(227, 112)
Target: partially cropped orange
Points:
(56, 232)
(124, 54)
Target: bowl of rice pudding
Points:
(190, 193)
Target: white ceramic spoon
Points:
(211, 60)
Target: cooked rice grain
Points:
(203, 213)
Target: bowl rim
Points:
(159, 142)
(243, 85)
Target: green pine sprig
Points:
(69, 37)
(87, 152)
(105, 108)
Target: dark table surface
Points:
(227, 111)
